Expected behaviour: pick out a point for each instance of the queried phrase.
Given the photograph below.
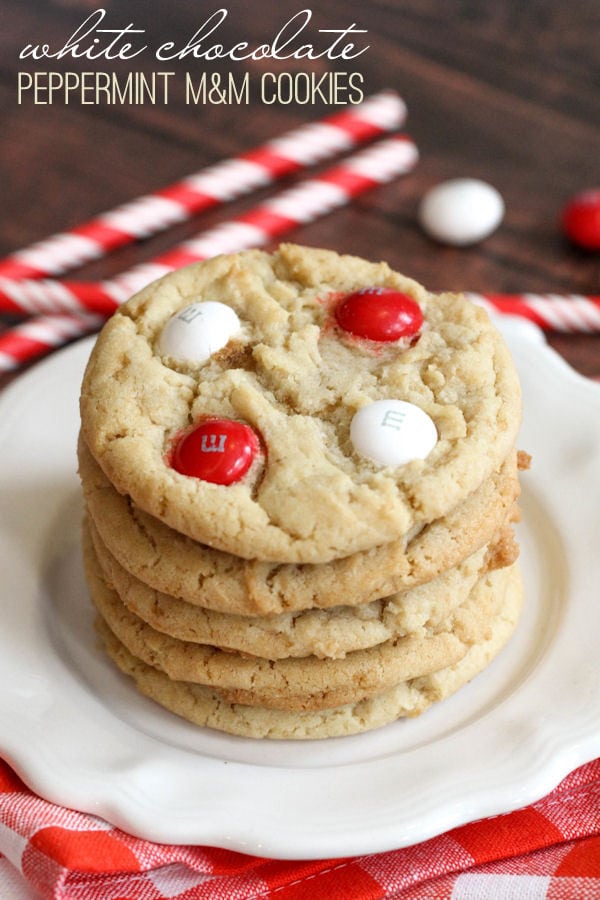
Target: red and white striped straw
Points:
(210, 187)
(568, 313)
(35, 337)
(303, 203)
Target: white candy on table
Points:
(392, 432)
(461, 211)
(198, 331)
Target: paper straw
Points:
(33, 338)
(568, 313)
(210, 187)
(303, 203)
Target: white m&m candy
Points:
(198, 331)
(392, 432)
(461, 211)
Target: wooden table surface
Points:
(503, 91)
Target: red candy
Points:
(218, 450)
(581, 220)
(379, 314)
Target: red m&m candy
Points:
(379, 314)
(581, 220)
(218, 450)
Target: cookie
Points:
(330, 633)
(307, 682)
(294, 391)
(173, 564)
(204, 707)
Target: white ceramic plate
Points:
(81, 736)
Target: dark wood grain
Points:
(502, 91)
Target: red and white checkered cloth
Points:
(550, 849)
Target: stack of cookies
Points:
(300, 480)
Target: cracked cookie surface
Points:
(297, 380)
(308, 682)
(331, 633)
(172, 563)
(204, 706)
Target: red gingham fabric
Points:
(550, 849)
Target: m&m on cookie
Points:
(379, 314)
(392, 432)
(196, 332)
(217, 450)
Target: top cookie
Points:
(288, 377)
